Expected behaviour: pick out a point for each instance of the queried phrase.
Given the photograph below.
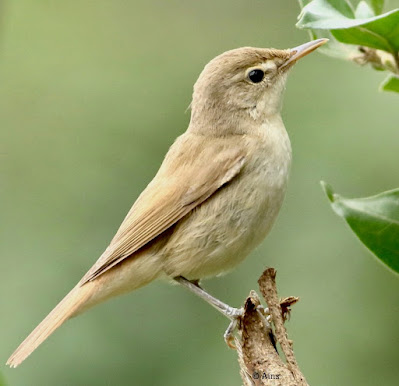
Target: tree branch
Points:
(259, 360)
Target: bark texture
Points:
(259, 360)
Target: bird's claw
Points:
(235, 315)
(229, 334)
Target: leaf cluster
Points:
(365, 35)
(360, 33)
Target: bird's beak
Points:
(302, 50)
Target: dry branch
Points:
(259, 360)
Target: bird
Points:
(215, 197)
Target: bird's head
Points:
(244, 82)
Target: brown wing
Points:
(192, 171)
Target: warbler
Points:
(215, 196)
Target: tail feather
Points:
(63, 311)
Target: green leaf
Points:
(325, 14)
(380, 32)
(375, 221)
(334, 48)
(363, 11)
(377, 6)
(391, 83)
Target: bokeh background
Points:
(92, 95)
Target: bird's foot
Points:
(235, 316)
(229, 333)
(264, 315)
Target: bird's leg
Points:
(234, 314)
(228, 311)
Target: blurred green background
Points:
(92, 95)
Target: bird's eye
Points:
(256, 76)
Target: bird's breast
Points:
(222, 231)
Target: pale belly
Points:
(222, 231)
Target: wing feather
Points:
(182, 183)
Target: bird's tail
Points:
(68, 306)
